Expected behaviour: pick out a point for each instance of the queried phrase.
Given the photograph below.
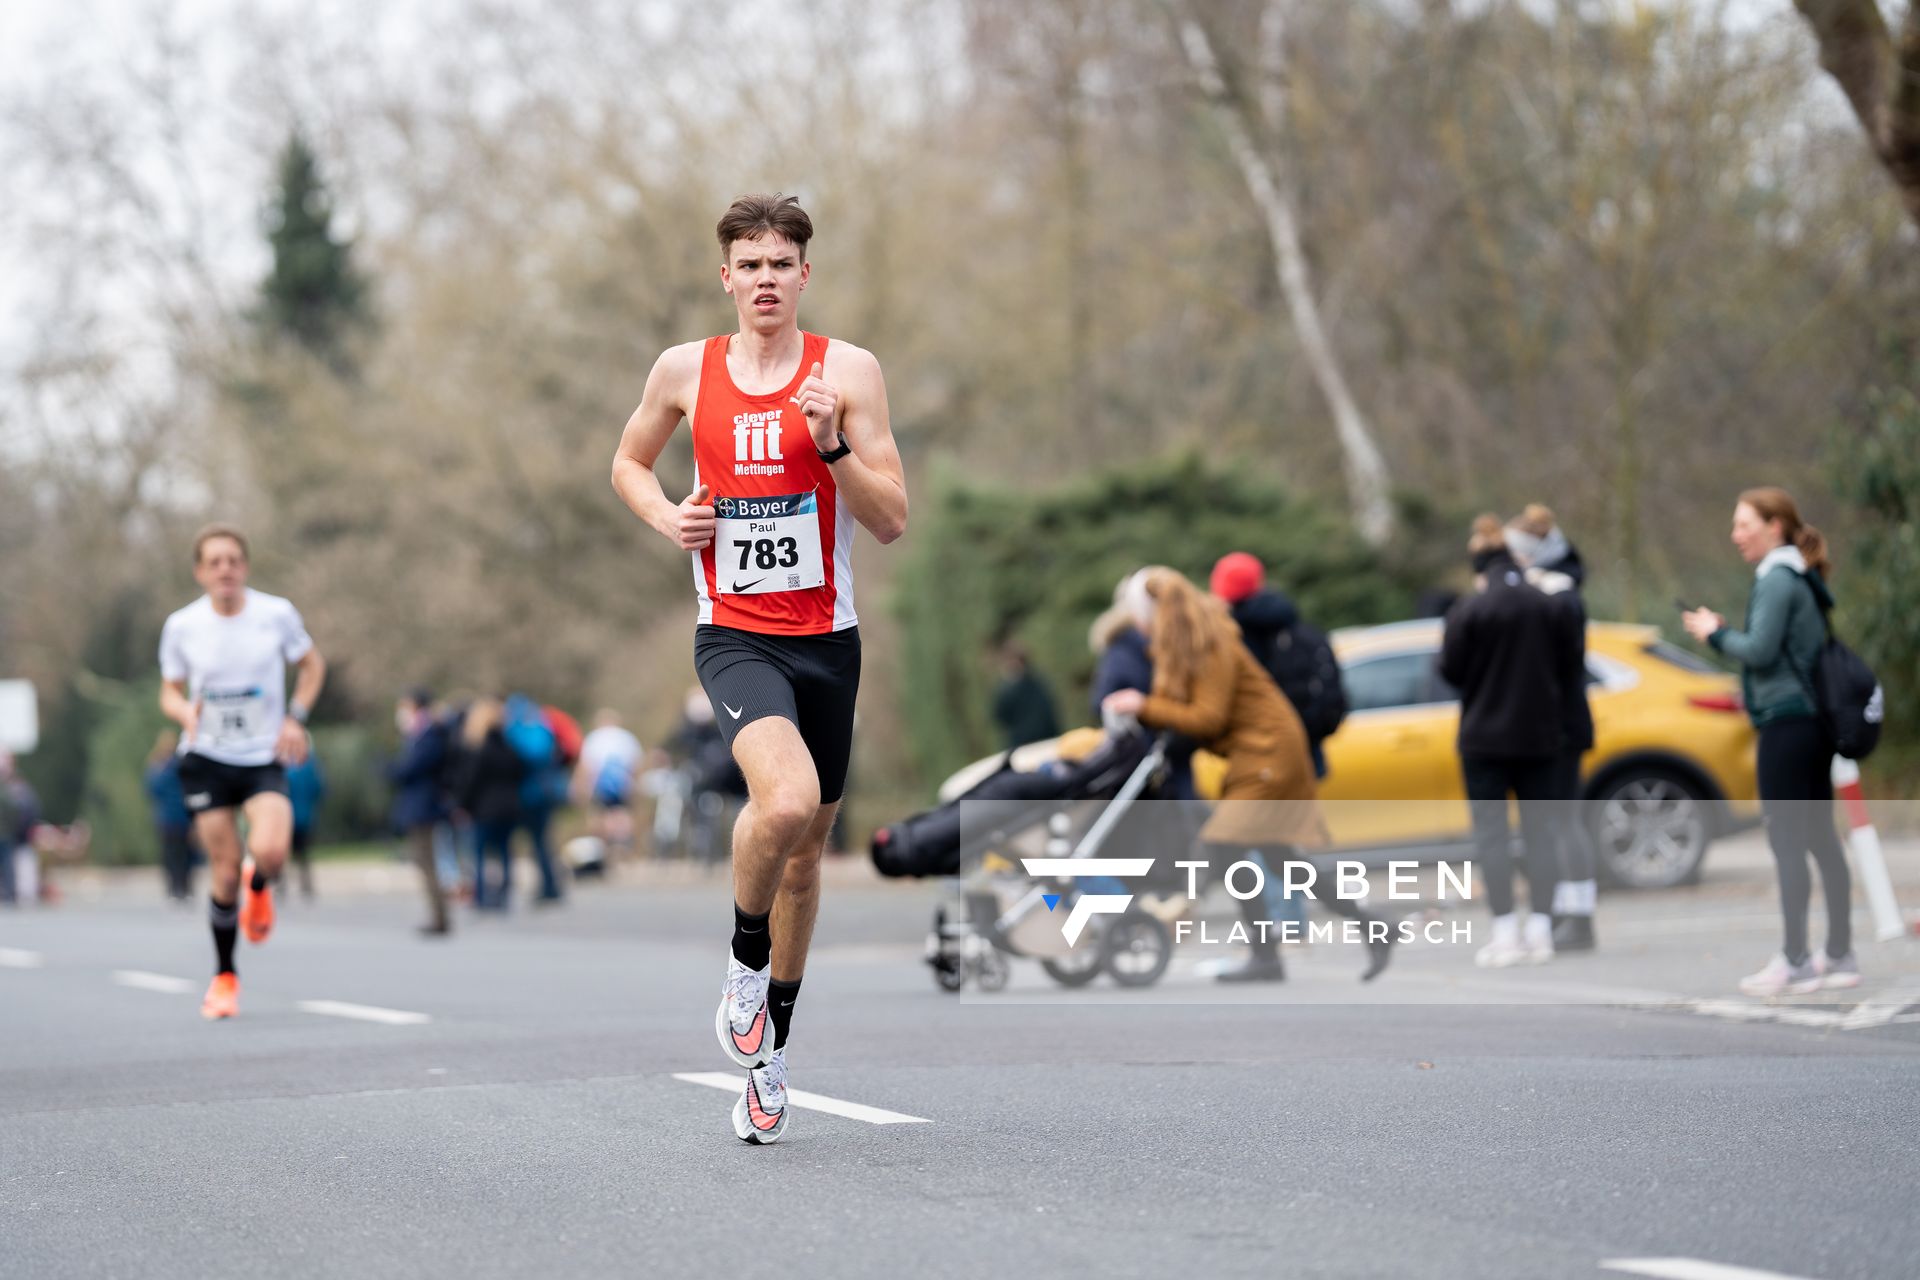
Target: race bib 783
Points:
(767, 544)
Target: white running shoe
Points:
(1836, 975)
(760, 1117)
(1536, 940)
(1504, 949)
(741, 1021)
(1780, 978)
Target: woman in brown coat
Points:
(1208, 686)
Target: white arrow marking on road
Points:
(140, 980)
(364, 1012)
(15, 958)
(732, 1083)
(1689, 1269)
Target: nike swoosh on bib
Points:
(739, 587)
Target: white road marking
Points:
(1879, 1011)
(364, 1012)
(15, 958)
(733, 1082)
(1689, 1269)
(140, 980)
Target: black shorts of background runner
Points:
(209, 784)
(809, 680)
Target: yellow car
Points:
(1672, 764)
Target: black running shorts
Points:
(210, 784)
(810, 680)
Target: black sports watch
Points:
(834, 455)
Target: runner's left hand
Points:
(820, 401)
(1124, 702)
(292, 747)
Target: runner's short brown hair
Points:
(217, 530)
(756, 215)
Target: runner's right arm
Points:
(687, 524)
(176, 706)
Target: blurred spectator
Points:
(306, 786)
(171, 821)
(1122, 662)
(543, 788)
(1510, 651)
(19, 815)
(609, 763)
(487, 775)
(1023, 704)
(1778, 649)
(1554, 568)
(697, 742)
(1294, 652)
(419, 803)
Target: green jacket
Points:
(1781, 642)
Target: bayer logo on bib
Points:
(767, 544)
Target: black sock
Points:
(258, 882)
(780, 998)
(752, 944)
(225, 919)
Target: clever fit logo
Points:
(1087, 905)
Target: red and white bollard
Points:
(1868, 859)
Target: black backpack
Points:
(1846, 694)
(1301, 662)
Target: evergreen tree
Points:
(313, 295)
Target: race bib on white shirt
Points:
(767, 544)
(235, 719)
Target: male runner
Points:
(223, 679)
(791, 449)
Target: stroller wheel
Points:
(947, 976)
(1078, 967)
(991, 970)
(1138, 949)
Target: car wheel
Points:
(1651, 829)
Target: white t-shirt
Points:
(609, 755)
(235, 668)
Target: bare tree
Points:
(1253, 135)
(1881, 78)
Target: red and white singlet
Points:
(781, 561)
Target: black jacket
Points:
(487, 780)
(1576, 714)
(1300, 660)
(1512, 652)
(1125, 664)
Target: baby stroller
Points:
(1065, 810)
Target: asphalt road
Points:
(530, 1117)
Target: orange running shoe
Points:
(256, 909)
(223, 997)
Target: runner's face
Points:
(221, 569)
(765, 276)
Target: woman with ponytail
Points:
(1777, 649)
(1209, 687)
